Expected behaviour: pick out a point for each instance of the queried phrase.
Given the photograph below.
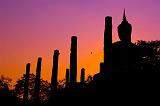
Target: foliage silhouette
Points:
(6, 95)
(5, 82)
(150, 60)
(44, 88)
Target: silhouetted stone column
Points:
(67, 77)
(37, 81)
(26, 84)
(73, 60)
(82, 75)
(102, 68)
(107, 44)
(54, 72)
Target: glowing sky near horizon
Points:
(35, 28)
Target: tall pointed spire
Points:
(125, 29)
(124, 16)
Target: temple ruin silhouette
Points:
(37, 81)
(73, 60)
(54, 73)
(119, 73)
(26, 84)
(125, 30)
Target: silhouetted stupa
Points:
(125, 30)
(119, 57)
(124, 52)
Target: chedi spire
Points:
(125, 30)
(124, 16)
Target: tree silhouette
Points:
(44, 88)
(89, 79)
(5, 82)
(61, 84)
(6, 95)
(150, 52)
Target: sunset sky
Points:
(35, 28)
